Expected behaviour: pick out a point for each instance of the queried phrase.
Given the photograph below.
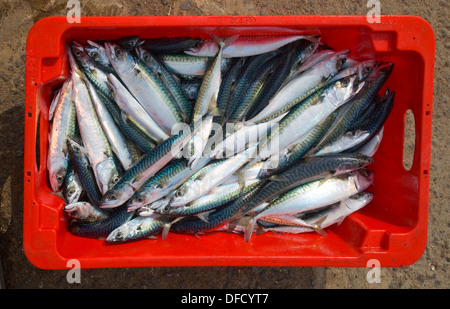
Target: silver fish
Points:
(94, 139)
(145, 87)
(133, 110)
(63, 128)
(84, 211)
(115, 137)
(302, 86)
(245, 46)
(209, 177)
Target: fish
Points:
(209, 177)
(186, 65)
(300, 87)
(167, 78)
(376, 121)
(245, 46)
(147, 166)
(217, 218)
(72, 189)
(97, 52)
(84, 212)
(306, 170)
(139, 228)
(102, 228)
(314, 110)
(171, 45)
(116, 139)
(145, 87)
(358, 104)
(165, 181)
(331, 215)
(371, 147)
(83, 169)
(220, 196)
(131, 109)
(94, 139)
(288, 156)
(312, 196)
(62, 129)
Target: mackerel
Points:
(147, 166)
(301, 87)
(62, 129)
(145, 87)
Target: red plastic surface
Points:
(391, 229)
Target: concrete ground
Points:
(17, 17)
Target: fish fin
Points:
(241, 180)
(224, 42)
(196, 235)
(203, 217)
(317, 226)
(152, 237)
(249, 229)
(260, 230)
(167, 226)
(339, 220)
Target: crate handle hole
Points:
(409, 138)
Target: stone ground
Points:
(17, 17)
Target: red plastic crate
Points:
(391, 229)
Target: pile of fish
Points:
(192, 135)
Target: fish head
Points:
(118, 57)
(343, 90)
(77, 209)
(117, 196)
(107, 174)
(380, 73)
(163, 208)
(124, 232)
(73, 190)
(359, 200)
(365, 68)
(339, 58)
(184, 194)
(151, 193)
(148, 58)
(206, 48)
(81, 56)
(97, 52)
(57, 169)
(128, 43)
(363, 179)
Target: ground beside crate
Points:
(429, 271)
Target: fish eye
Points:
(129, 44)
(179, 193)
(71, 192)
(59, 178)
(115, 179)
(341, 61)
(77, 53)
(140, 199)
(118, 51)
(345, 81)
(94, 55)
(367, 69)
(119, 235)
(112, 197)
